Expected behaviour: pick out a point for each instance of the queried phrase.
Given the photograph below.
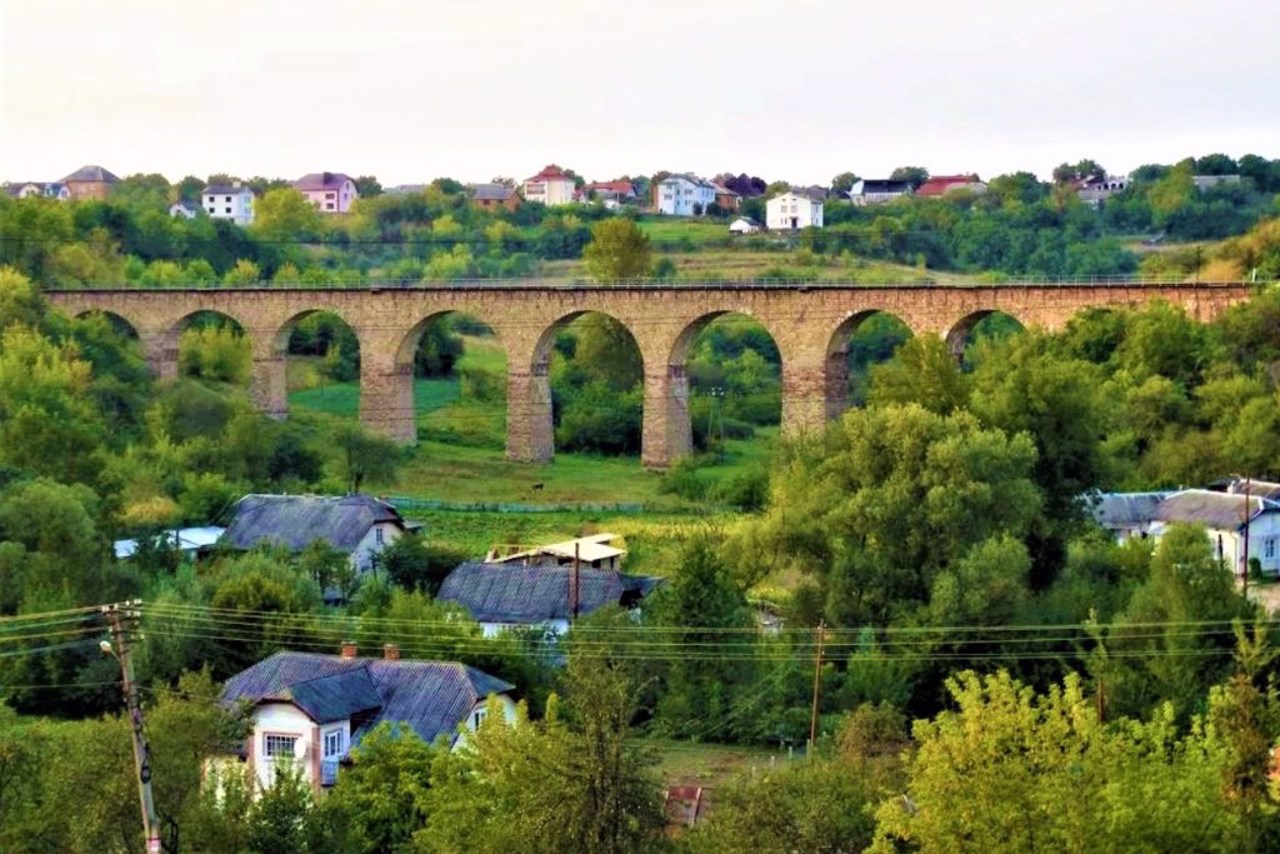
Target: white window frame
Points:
(478, 716)
(272, 740)
(1269, 548)
(333, 744)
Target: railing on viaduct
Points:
(811, 323)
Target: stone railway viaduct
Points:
(811, 325)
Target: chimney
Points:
(348, 649)
(390, 652)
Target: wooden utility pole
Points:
(817, 683)
(574, 584)
(122, 618)
(1248, 511)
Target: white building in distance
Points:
(791, 211)
(234, 202)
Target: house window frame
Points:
(290, 737)
(478, 716)
(1269, 548)
(333, 737)
(378, 537)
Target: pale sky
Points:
(797, 90)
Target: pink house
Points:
(331, 192)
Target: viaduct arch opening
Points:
(318, 352)
(864, 339)
(210, 345)
(455, 365)
(985, 324)
(732, 369)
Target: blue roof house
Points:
(309, 709)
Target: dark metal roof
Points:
(322, 181)
(505, 593)
(491, 192)
(1125, 509)
(876, 185)
(295, 521)
(225, 190)
(91, 173)
(431, 697)
(1218, 510)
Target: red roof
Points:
(938, 185)
(623, 187)
(550, 173)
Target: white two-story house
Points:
(683, 195)
(232, 202)
(551, 186)
(309, 710)
(791, 211)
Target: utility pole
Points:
(122, 618)
(817, 682)
(1248, 511)
(574, 582)
(717, 393)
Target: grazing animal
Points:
(537, 487)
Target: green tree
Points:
(618, 251)
(365, 456)
(922, 371)
(285, 216)
(913, 175)
(384, 789)
(844, 181)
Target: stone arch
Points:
(530, 423)
(404, 378)
(958, 335)
(170, 341)
(668, 428)
(117, 320)
(836, 397)
(271, 358)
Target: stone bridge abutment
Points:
(811, 326)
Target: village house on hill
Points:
(309, 709)
(551, 186)
(89, 182)
(506, 596)
(1226, 516)
(359, 526)
(232, 202)
(38, 190)
(329, 192)
(490, 197)
(790, 211)
(683, 195)
(941, 185)
(876, 191)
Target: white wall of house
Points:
(375, 540)
(677, 196)
(1264, 543)
(552, 191)
(792, 211)
(236, 206)
(558, 627)
(479, 712)
(275, 721)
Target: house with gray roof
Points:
(1125, 514)
(310, 709)
(1240, 527)
(89, 182)
(356, 525)
(502, 596)
(877, 191)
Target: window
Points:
(333, 744)
(328, 206)
(329, 195)
(228, 210)
(228, 198)
(1269, 548)
(278, 746)
(477, 716)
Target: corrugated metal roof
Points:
(491, 192)
(502, 593)
(295, 521)
(431, 697)
(1218, 510)
(91, 173)
(1125, 509)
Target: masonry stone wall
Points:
(810, 325)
